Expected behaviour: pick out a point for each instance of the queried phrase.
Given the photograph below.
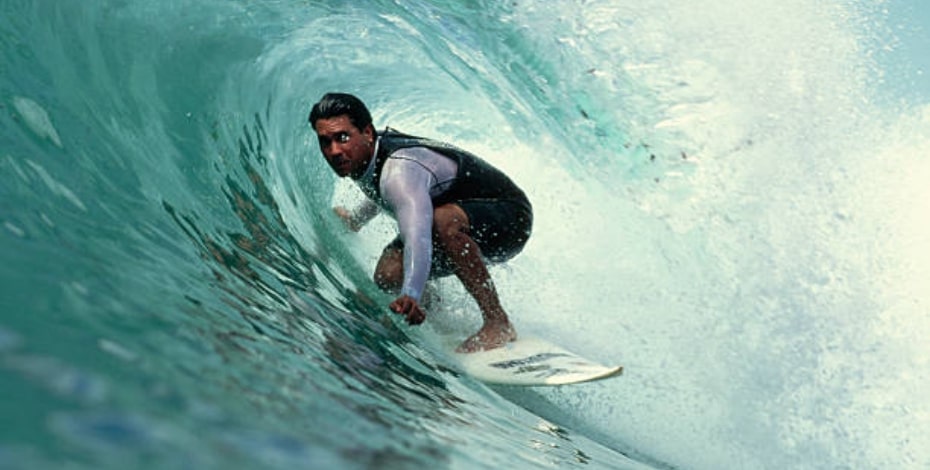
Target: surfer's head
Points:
(344, 131)
(337, 104)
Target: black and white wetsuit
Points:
(410, 176)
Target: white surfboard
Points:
(533, 361)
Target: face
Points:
(347, 149)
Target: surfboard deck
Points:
(533, 361)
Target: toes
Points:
(470, 345)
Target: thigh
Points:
(500, 227)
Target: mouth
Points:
(340, 166)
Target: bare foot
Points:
(488, 337)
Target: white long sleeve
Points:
(409, 180)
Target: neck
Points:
(369, 167)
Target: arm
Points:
(362, 215)
(405, 187)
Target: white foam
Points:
(768, 302)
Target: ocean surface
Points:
(731, 201)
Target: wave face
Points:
(731, 201)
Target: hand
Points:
(347, 218)
(408, 307)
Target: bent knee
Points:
(389, 275)
(388, 282)
(449, 221)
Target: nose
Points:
(331, 148)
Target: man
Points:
(454, 211)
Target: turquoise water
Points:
(731, 201)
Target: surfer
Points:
(455, 212)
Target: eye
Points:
(342, 137)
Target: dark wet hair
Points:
(337, 104)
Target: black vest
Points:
(475, 178)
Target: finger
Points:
(416, 317)
(400, 307)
